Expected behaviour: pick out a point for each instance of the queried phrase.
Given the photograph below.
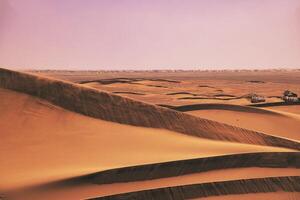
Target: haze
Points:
(135, 34)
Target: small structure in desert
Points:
(254, 98)
(290, 97)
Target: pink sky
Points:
(144, 34)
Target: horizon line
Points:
(150, 69)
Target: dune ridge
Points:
(191, 166)
(183, 167)
(218, 97)
(274, 104)
(126, 80)
(219, 106)
(110, 107)
(135, 93)
(243, 186)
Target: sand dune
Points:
(245, 186)
(64, 141)
(184, 172)
(266, 121)
(41, 130)
(210, 83)
(84, 187)
(145, 177)
(183, 167)
(287, 108)
(102, 105)
(269, 120)
(273, 104)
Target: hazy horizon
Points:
(149, 69)
(141, 35)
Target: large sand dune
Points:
(41, 130)
(282, 121)
(64, 141)
(102, 105)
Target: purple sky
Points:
(149, 34)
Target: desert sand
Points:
(57, 136)
(273, 123)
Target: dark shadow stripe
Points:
(134, 93)
(274, 104)
(216, 106)
(126, 80)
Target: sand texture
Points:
(74, 140)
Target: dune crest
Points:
(245, 186)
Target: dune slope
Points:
(114, 108)
(245, 186)
(266, 121)
(64, 141)
(83, 187)
(45, 143)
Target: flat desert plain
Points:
(168, 135)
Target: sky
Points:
(149, 34)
